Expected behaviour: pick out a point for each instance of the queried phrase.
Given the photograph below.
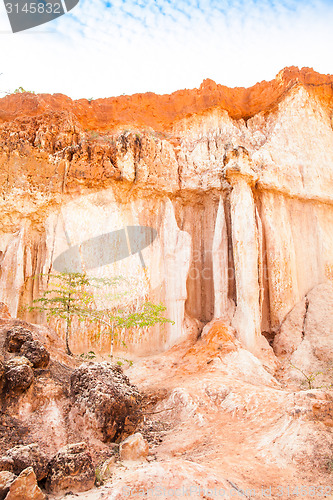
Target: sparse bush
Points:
(310, 379)
(88, 355)
(21, 90)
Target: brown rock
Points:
(6, 479)
(16, 336)
(25, 487)
(24, 456)
(71, 469)
(105, 401)
(36, 353)
(19, 374)
(134, 447)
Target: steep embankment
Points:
(237, 182)
(161, 111)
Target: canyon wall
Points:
(238, 184)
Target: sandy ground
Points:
(215, 417)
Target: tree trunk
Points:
(111, 347)
(68, 351)
(68, 328)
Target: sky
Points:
(105, 48)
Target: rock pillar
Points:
(222, 306)
(245, 245)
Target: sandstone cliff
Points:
(237, 182)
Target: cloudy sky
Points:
(104, 48)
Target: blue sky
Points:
(104, 48)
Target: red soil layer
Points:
(161, 111)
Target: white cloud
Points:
(159, 45)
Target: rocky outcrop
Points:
(36, 353)
(16, 337)
(236, 182)
(238, 185)
(18, 374)
(71, 469)
(33, 400)
(23, 456)
(45, 405)
(104, 402)
(50, 404)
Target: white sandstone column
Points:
(220, 265)
(176, 253)
(12, 270)
(247, 319)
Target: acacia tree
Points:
(68, 295)
(72, 295)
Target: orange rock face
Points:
(238, 183)
(161, 111)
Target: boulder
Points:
(105, 401)
(6, 479)
(24, 456)
(71, 469)
(36, 353)
(16, 336)
(18, 374)
(134, 447)
(25, 487)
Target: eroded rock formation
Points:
(44, 408)
(237, 182)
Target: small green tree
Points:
(72, 295)
(68, 295)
